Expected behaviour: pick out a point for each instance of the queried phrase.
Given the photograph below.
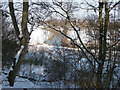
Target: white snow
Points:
(21, 35)
(39, 70)
(25, 83)
(19, 83)
(11, 68)
(18, 53)
(50, 47)
(40, 36)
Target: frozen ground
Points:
(19, 83)
(46, 72)
(25, 83)
(51, 67)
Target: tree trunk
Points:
(105, 30)
(24, 41)
(13, 73)
(100, 65)
(102, 40)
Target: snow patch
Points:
(39, 70)
(19, 83)
(21, 35)
(11, 68)
(18, 53)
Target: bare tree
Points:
(96, 61)
(23, 39)
(63, 11)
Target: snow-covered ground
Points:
(49, 70)
(39, 35)
(25, 83)
(19, 83)
(52, 67)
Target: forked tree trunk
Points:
(24, 40)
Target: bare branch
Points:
(113, 44)
(13, 17)
(93, 7)
(82, 42)
(114, 5)
(72, 41)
